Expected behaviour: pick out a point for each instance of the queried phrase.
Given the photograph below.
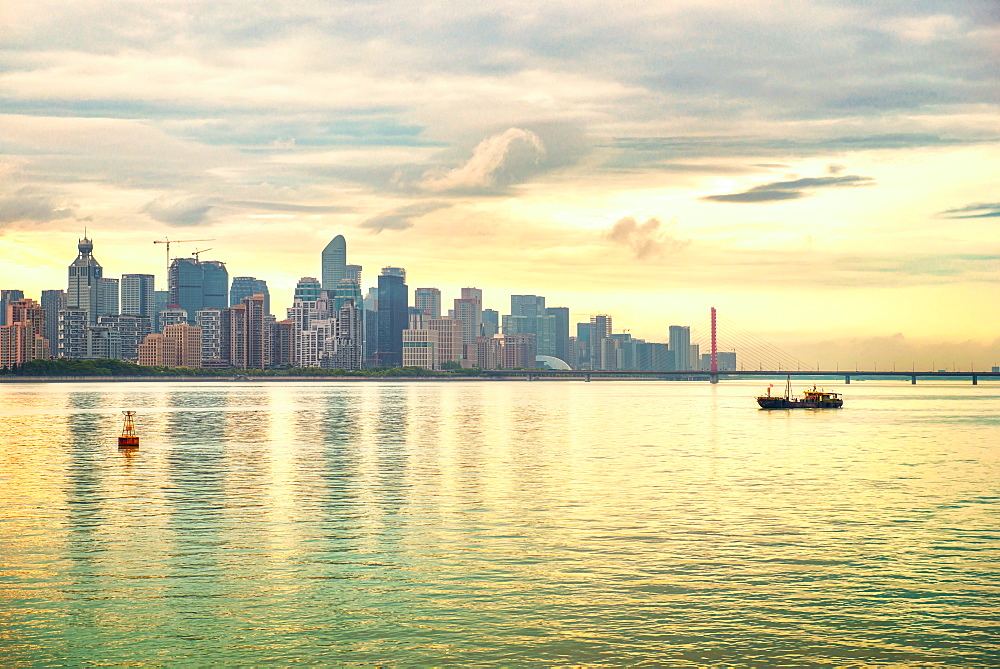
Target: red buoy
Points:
(129, 439)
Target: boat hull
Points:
(783, 403)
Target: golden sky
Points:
(826, 174)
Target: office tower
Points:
(6, 297)
(52, 302)
(560, 332)
(680, 344)
(109, 297)
(469, 310)
(132, 331)
(334, 262)
(248, 286)
(532, 306)
(196, 284)
(370, 327)
(72, 331)
(152, 351)
(428, 301)
(420, 348)
(600, 329)
(695, 357)
(353, 272)
(572, 353)
(171, 315)
(22, 338)
(137, 291)
(245, 335)
(491, 323)
(393, 297)
(210, 322)
(102, 343)
(448, 333)
(161, 298)
(85, 274)
(416, 318)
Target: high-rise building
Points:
(197, 284)
(52, 302)
(132, 331)
(680, 344)
(420, 348)
(161, 298)
(23, 337)
(248, 286)
(469, 310)
(137, 292)
(449, 339)
(171, 315)
(503, 351)
(102, 343)
(282, 343)
(393, 316)
(428, 301)
(347, 290)
(560, 332)
(210, 322)
(334, 262)
(348, 339)
(109, 297)
(85, 274)
(600, 329)
(245, 334)
(72, 331)
(178, 346)
(6, 297)
(353, 272)
(491, 323)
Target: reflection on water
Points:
(497, 523)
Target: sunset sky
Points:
(827, 174)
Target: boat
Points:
(811, 399)
(129, 438)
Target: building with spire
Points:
(85, 282)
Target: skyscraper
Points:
(469, 310)
(246, 335)
(560, 325)
(85, 274)
(334, 262)
(428, 301)
(109, 297)
(52, 302)
(22, 338)
(680, 344)
(196, 284)
(137, 292)
(6, 297)
(393, 317)
(353, 273)
(248, 286)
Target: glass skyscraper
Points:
(393, 318)
(334, 262)
(84, 291)
(196, 285)
(248, 286)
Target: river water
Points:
(499, 523)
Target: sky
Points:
(826, 174)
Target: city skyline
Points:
(824, 174)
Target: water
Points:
(498, 523)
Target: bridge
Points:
(715, 377)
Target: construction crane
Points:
(196, 256)
(168, 242)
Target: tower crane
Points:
(196, 256)
(168, 242)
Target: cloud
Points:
(179, 211)
(977, 210)
(791, 190)
(290, 208)
(402, 217)
(28, 205)
(646, 240)
(499, 160)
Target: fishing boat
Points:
(811, 399)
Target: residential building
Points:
(448, 339)
(680, 344)
(23, 337)
(6, 297)
(52, 302)
(102, 342)
(210, 322)
(171, 315)
(72, 332)
(248, 286)
(137, 295)
(132, 331)
(245, 337)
